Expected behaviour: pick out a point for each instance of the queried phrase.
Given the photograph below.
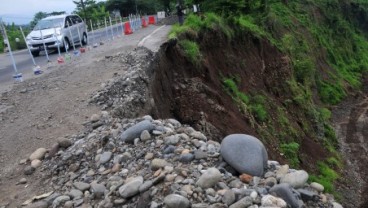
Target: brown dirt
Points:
(196, 95)
(37, 111)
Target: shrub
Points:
(191, 51)
(291, 152)
(326, 176)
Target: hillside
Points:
(272, 70)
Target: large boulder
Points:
(245, 153)
(135, 131)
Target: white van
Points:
(59, 30)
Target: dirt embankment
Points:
(196, 95)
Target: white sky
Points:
(22, 11)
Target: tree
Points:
(37, 17)
(84, 8)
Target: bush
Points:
(291, 152)
(191, 51)
(327, 176)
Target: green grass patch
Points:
(291, 152)
(326, 176)
(191, 51)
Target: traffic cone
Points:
(144, 23)
(151, 20)
(127, 29)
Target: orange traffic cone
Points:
(127, 29)
(144, 23)
(151, 20)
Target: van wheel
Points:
(35, 53)
(84, 39)
(66, 45)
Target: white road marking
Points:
(149, 36)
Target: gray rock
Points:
(307, 195)
(186, 158)
(199, 154)
(22, 181)
(229, 197)
(60, 200)
(145, 136)
(209, 178)
(169, 149)
(81, 186)
(285, 192)
(201, 205)
(176, 201)
(95, 118)
(172, 140)
(38, 154)
(245, 153)
(198, 135)
(317, 187)
(105, 157)
(29, 170)
(296, 179)
(145, 186)
(64, 142)
(336, 205)
(271, 201)
(131, 188)
(75, 194)
(135, 131)
(36, 163)
(242, 203)
(218, 205)
(271, 181)
(98, 190)
(38, 204)
(158, 163)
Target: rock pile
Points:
(163, 163)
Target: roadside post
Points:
(75, 52)
(17, 76)
(112, 32)
(60, 59)
(36, 69)
(93, 35)
(107, 35)
(122, 27)
(81, 49)
(44, 47)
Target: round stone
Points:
(176, 201)
(245, 153)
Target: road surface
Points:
(24, 62)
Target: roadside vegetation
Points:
(327, 45)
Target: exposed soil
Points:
(56, 104)
(196, 95)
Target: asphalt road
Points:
(24, 62)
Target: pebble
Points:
(145, 136)
(29, 170)
(149, 156)
(105, 157)
(158, 163)
(135, 131)
(60, 200)
(296, 179)
(36, 163)
(245, 178)
(176, 201)
(75, 194)
(22, 181)
(229, 197)
(285, 192)
(271, 201)
(64, 142)
(38, 154)
(242, 203)
(318, 187)
(95, 118)
(209, 178)
(81, 186)
(131, 188)
(98, 190)
(186, 158)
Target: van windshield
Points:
(49, 23)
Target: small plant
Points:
(291, 152)
(327, 176)
(191, 50)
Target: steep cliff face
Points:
(273, 74)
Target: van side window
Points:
(68, 22)
(76, 19)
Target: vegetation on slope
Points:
(326, 42)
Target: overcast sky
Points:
(22, 11)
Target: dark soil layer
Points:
(195, 94)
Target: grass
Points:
(191, 51)
(326, 176)
(291, 152)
